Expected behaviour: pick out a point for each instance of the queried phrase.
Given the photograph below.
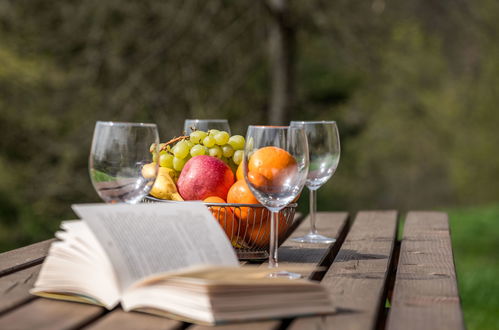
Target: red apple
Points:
(204, 176)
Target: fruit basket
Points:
(246, 225)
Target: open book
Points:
(170, 259)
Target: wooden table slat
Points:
(119, 319)
(264, 325)
(425, 294)
(357, 277)
(14, 288)
(50, 314)
(12, 261)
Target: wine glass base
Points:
(314, 239)
(285, 274)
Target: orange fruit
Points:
(254, 177)
(240, 193)
(239, 172)
(224, 216)
(274, 164)
(258, 233)
(257, 179)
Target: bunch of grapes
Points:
(213, 143)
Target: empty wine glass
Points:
(275, 167)
(324, 154)
(205, 125)
(117, 159)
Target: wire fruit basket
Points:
(246, 225)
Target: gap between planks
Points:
(27, 256)
(14, 288)
(426, 294)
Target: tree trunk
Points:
(281, 61)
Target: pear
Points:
(164, 187)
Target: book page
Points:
(146, 239)
(77, 268)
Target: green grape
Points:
(213, 132)
(181, 149)
(152, 148)
(162, 152)
(222, 138)
(215, 151)
(198, 150)
(237, 142)
(227, 150)
(197, 136)
(178, 163)
(189, 144)
(155, 157)
(238, 157)
(209, 141)
(166, 160)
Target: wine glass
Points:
(275, 167)
(121, 160)
(324, 154)
(206, 124)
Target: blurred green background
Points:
(413, 85)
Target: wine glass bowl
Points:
(205, 125)
(275, 167)
(324, 153)
(118, 155)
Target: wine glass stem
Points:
(274, 237)
(313, 210)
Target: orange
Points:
(258, 233)
(240, 193)
(274, 164)
(257, 179)
(224, 216)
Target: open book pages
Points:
(145, 239)
(169, 259)
(116, 245)
(220, 295)
(78, 266)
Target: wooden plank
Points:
(356, 279)
(24, 257)
(50, 314)
(270, 325)
(425, 295)
(121, 320)
(14, 288)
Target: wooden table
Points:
(375, 280)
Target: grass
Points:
(475, 240)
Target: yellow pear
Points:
(164, 187)
(149, 170)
